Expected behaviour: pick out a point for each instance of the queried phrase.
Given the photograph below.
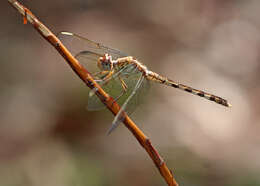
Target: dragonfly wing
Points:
(91, 51)
(140, 94)
(131, 77)
(113, 87)
(77, 43)
(120, 117)
(89, 60)
(94, 103)
(137, 88)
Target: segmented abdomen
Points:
(160, 79)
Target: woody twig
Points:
(85, 76)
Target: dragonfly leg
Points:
(108, 77)
(111, 76)
(104, 80)
(120, 117)
(102, 73)
(124, 86)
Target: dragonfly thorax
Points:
(105, 62)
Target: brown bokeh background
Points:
(47, 137)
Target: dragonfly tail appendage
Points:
(200, 93)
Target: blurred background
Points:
(47, 137)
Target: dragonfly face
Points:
(105, 63)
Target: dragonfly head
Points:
(105, 62)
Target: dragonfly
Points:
(124, 78)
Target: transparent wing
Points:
(137, 87)
(141, 92)
(77, 43)
(91, 51)
(130, 103)
(89, 60)
(130, 76)
(115, 88)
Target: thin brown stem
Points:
(85, 76)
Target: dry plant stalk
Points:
(85, 76)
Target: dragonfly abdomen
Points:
(163, 80)
(203, 94)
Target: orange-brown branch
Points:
(85, 76)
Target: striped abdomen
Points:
(156, 77)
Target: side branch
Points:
(85, 76)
